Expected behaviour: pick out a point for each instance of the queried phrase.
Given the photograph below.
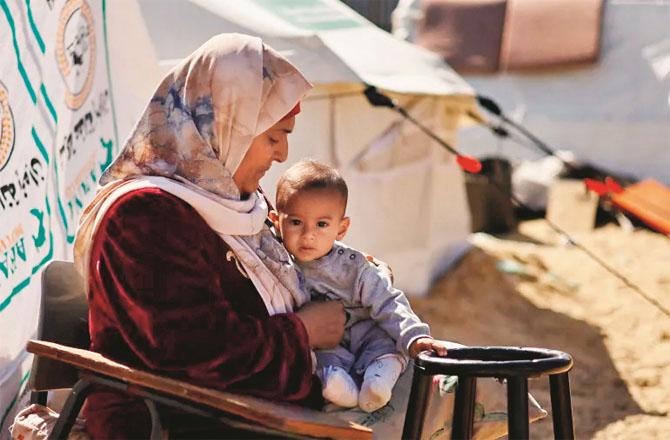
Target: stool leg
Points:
(417, 404)
(464, 408)
(517, 407)
(561, 406)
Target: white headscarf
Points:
(189, 142)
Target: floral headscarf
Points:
(200, 122)
(190, 140)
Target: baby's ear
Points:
(274, 218)
(344, 227)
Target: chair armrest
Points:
(284, 417)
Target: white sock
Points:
(338, 387)
(378, 381)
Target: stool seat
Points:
(515, 364)
(497, 362)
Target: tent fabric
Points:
(380, 155)
(614, 113)
(325, 39)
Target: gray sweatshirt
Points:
(345, 274)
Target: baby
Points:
(381, 330)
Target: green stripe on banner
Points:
(48, 257)
(110, 154)
(40, 145)
(49, 254)
(19, 287)
(15, 399)
(33, 26)
(23, 284)
(68, 237)
(109, 73)
(50, 105)
(22, 70)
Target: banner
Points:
(57, 135)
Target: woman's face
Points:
(269, 146)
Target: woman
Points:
(184, 277)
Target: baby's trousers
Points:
(362, 343)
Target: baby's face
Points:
(311, 221)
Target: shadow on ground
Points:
(477, 305)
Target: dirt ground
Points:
(530, 288)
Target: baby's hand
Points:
(425, 343)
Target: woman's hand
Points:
(324, 322)
(430, 344)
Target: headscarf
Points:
(190, 141)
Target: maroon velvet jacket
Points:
(164, 298)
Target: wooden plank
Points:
(283, 417)
(649, 201)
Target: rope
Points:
(600, 261)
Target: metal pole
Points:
(561, 406)
(417, 404)
(517, 407)
(464, 408)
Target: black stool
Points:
(516, 364)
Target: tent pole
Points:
(334, 160)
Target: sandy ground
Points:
(530, 289)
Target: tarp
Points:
(407, 196)
(614, 114)
(329, 42)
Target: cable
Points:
(378, 99)
(501, 132)
(490, 105)
(595, 258)
(535, 143)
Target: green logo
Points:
(313, 15)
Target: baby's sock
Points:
(378, 381)
(338, 387)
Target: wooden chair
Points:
(63, 361)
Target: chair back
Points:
(63, 319)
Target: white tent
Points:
(614, 113)
(407, 202)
